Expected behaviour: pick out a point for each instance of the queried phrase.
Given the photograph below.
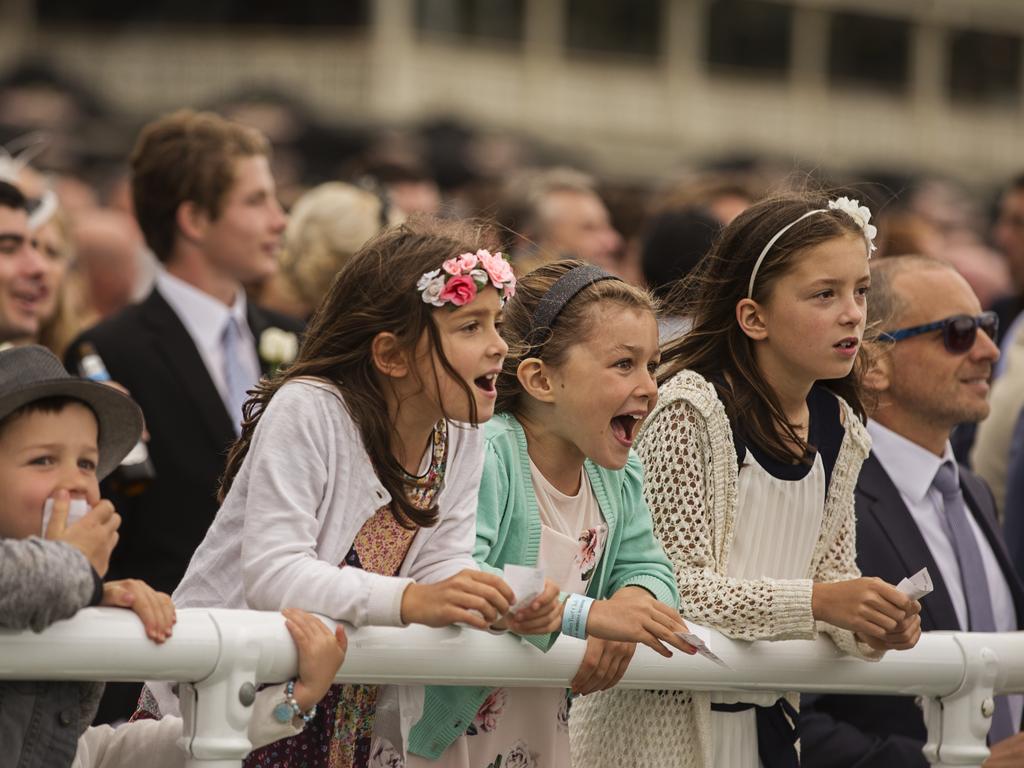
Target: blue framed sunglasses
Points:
(958, 331)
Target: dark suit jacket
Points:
(885, 731)
(147, 349)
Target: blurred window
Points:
(749, 37)
(351, 13)
(631, 27)
(984, 67)
(871, 51)
(472, 19)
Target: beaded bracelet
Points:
(574, 616)
(289, 709)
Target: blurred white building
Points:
(639, 85)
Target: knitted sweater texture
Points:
(690, 469)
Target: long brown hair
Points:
(575, 323)
(718, 349)
(373, 293)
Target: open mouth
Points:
(487, 383)
(847, 346)
(624, 426)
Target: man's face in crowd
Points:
(24, 294)
(1009, 233)
(577, 225)
(244, 239)
(927, 382)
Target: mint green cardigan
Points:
(508, 530)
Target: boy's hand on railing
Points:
(471, 597)
(867, 606)
(541, 616)
(321, 654)
(95, 535)
(604, 664)
(633, 615)
(155, 609)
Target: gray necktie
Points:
(237, 376)
(972, 575)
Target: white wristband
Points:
(574, 616)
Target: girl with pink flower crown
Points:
(562, 490)
(352, 490)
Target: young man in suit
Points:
(205, 200)
(917, 508)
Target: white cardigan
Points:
(154, 743)
(303, 492)
(300, 498)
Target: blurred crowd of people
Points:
(341, 184)
(192, 278)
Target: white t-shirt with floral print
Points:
(528, 727)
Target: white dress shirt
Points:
(912, 470)
(205, 318)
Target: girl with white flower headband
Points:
(352, 491)
(750, 459)
(563, 491)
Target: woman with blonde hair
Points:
(326, 226)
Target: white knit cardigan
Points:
(690, 469)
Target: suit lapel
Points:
(173, 342)
(258, 323)
(979, 502)
(894, 519)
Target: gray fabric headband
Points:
(554, 301)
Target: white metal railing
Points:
(220, 654)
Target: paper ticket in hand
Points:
(700, 637)
(527, 584)
(917, 586)
(77, 509)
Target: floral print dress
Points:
(340, 734)
(529, 727)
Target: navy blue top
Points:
(825, 433)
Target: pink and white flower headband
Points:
(860, 214)
(460, 278)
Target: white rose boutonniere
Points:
(278, 348)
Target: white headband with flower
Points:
(460, 278)
(860, 214)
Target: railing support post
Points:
(958, 724)
(217, 710)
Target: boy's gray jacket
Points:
(42, 582)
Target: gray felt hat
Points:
(28, 374)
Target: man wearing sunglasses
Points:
(917, 508)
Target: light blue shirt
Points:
(204, 318)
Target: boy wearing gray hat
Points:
(59, 436)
